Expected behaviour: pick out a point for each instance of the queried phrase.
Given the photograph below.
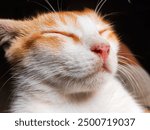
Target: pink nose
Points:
(101, 50)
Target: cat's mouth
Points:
(105, 68)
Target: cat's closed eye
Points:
(71, 35)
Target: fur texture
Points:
(56, 71)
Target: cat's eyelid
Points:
(73, 36)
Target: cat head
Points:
(62, 49)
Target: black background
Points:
(131, 21)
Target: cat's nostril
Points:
(101, 50)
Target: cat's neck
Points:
(49, 93)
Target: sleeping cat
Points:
(70, 62)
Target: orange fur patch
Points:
(53, 42)
(32, 39)
(113, 36)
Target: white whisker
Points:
(7, 81)
(50, 5)
(98, 5)
(123, 59)
(132, 75)
(128, 54)
(101, 6)
(40, 4)
(9, 70)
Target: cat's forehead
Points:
(86, 21)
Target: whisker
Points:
(111, 14)
(98, 4)
(50, 5)
(124, 59)
(6, 72)
(13, 66)
(101, 6)
(58, 5)
(39, 4)
(131, 75)
(123, 71)
(128, 54)
(7, 81)
(129, 78)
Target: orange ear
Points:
(8, 30)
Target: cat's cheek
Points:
(112, 63)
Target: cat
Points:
(71, 61)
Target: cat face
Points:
(63, 49)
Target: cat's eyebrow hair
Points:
(103, 30)
(73, 36)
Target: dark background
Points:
(131, 21)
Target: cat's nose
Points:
(101, 50)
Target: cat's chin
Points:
(89, 84)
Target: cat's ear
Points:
(9, 29)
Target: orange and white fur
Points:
(71, 62)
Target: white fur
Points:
(112, 97)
